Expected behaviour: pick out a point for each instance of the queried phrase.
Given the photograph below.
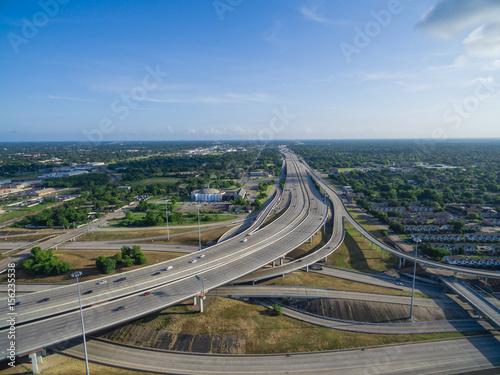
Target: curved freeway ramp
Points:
(410, 328)
(443, 357)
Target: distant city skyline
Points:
(249, 70)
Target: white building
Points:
(207, 195)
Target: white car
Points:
(201, 256)
(245, 240)
(192, 261)
(101, 282)
(168, 268)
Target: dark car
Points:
(120, 279)
(156, 273)
(17, 303)
(43, 300)
(120, 308)
(88, 292)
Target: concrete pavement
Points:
(444, 357)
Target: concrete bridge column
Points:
(400, 263)
(326, 259)
(195, 301)
(281, 261)
(36, 359)
(274, 264)
(201, 305)
(382, 254)
(404, 261)
(310, 240)
(485, 281)
(307, 268)
(371, 245)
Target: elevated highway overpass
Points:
(41, 324)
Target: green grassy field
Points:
(355, 254)
(263, 333)
(17, 212)
(156, 180)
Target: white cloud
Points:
(495, 65)
(484, 42)
(450, 17)
(212, 131)
(191, 131)
(227, 98)
(170, 130)
(315, 12)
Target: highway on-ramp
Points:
(444, 357)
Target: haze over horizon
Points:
(256, 70)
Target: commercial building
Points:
(207, 195)
(42, 192)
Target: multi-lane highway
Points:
(454, 356)
(41, 324)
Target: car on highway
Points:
(87, 292)
(400, 283)
(43, 300)
(101, 282)
(120, 279)
(249, 234)
(192, 261)
(244, 240)
(147, 293)
(17, 303)
(201, 256)
(156, 273)
(168, 268)
(120, 308)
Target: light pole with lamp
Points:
(199, 227)
(77, 274)
(166, 215)
(418, 240)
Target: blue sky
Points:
(242, 69)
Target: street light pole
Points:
(166, 214)
(77, 274)
(199, 228)
(418, 240)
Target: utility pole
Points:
(166, 215)
(199, 227)
(418, 240)
(77, 274)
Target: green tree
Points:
(128, 261)
(277, 310)
(105, 265)
(140, 258)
